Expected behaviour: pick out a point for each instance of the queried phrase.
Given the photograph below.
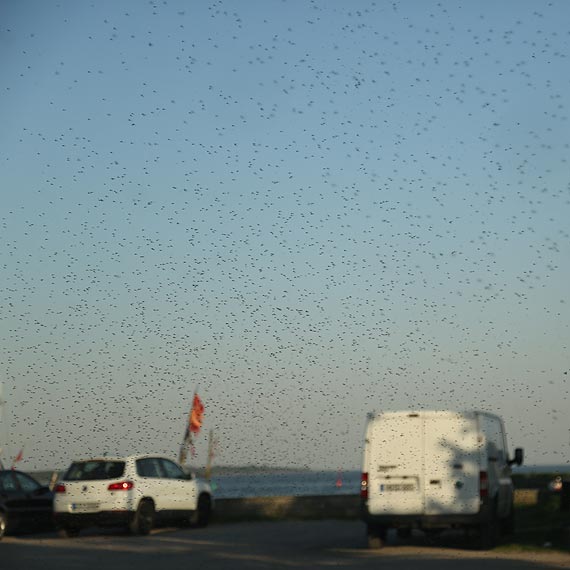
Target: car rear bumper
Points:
(102, 518)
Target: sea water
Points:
(303, 483)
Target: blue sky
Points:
(312, 210)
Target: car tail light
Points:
(364, 486)
(122, 486)
(59, 488)
(483, 484)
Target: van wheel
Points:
(376, 537)
(432, 535)
(68, 531)
(143, 519)
(489, 533)
(201, 516)
(405, 533)
(508, 524)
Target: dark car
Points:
(24, 503)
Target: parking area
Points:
(287, 544)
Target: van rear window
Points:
(94, 470)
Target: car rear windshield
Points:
(95, 470)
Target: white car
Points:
(134, 492)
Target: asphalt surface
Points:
(288, 544)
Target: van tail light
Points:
(364, 486)
(59, 488)
(122, 486)
(483, 484)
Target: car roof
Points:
(124, 458)
(2, 471)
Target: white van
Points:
(434, 470)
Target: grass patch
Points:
(540, 525)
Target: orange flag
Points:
(196, 415)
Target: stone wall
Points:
(313, 507)
(279, 508)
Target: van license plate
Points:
(399, 487)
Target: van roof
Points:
(428, 413)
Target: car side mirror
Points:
(519, 457)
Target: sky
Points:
(306, 211)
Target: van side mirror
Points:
(519, 457)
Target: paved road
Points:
(295, 545)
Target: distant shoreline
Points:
(232, 470)
(222, 470)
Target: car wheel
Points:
(376, 537)
(68, 531)
(201, 516)
(143, 519)
(3, 524)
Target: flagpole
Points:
(182, 452)
(18, 457)
(2, 402)
(2, 424)
(211, 445)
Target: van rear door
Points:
(395, 465)
(451, 463)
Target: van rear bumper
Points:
(426, 521)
